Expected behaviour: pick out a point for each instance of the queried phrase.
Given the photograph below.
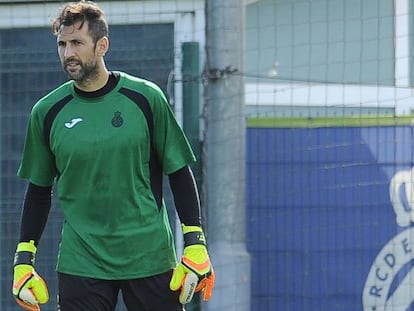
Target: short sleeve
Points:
(37, 163)
(171, 143)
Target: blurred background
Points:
(301, 115)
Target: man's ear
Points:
(102, 46)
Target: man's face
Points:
(77, 53)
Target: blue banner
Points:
(329, 218)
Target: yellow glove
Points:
(29, 289)
(194, 273)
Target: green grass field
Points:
(353, 121)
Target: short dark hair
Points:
(82, 11)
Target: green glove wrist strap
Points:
(27, 258)
(194, 238)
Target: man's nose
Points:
(68, 51)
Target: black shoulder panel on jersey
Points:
(143, 104)
(155, 164)
(51, 115)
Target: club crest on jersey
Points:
(389, 283)
(117, 120)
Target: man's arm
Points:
(194, 273)
(29, 289)
(36, 208)
(186, 199)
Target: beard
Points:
(88, 71)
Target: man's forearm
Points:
(36, 208)
(186, 199)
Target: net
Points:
(329, 105)
(302, 114)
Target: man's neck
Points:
(97, 83)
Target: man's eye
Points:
(61, 43)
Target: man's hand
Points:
(194, 273)
(29, 289)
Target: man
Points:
(106, 138)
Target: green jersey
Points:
(107, 154)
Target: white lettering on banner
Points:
(388, 286)
(390, 262)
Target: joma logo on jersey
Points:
(388, 285)
(73, 122)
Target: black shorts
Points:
(86, 294)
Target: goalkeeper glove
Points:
(29, 289)
(194, 273)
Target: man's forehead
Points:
(73, 30)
